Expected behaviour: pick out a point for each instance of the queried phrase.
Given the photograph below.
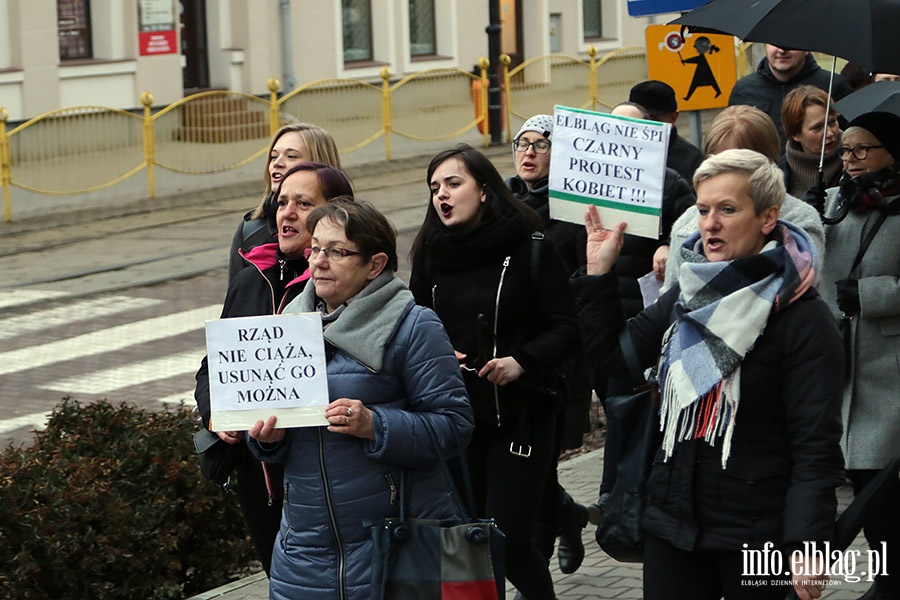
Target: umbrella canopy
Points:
(881, 96)
(861, 31)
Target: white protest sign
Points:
(263, 366)
(615, 163)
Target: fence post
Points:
(149, 142)
(5, 176)
(274, 105)
(483, 64)
(386, 116)
(592, 77)
(505, 93)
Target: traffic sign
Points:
(643, 8)
(699, 67)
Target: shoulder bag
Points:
(633, 433)
(217, 458)
(420, 559)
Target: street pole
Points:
(495, 109)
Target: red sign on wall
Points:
(158, 42)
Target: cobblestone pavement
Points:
(599, 578)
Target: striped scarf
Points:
(722, 310)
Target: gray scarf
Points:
(366, 322)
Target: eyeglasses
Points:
(540, 146)
(332, 254)
(860, 152)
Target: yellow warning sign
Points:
(699, 67)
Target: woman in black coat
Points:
(503, 294)
(750, 365)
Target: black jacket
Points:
(762, 90)
(487, 270)
(569, 238)
(785, 462)
(683, 156)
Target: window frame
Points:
(82, 33)
(432, 49)
(370, 51)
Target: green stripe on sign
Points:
(587, 200)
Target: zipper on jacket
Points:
(281, 263)
(329, 503)
(496, 318)
(434, 297)
(389, 477)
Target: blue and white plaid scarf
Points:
(722, 310)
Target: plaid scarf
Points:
(873, 191)
(722, 310)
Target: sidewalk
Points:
(599, 578)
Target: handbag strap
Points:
(867, 241)
(466, 508)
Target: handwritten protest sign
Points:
(263, 366)
(615, 163)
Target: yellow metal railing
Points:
(86, 148)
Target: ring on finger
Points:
(349, 412)
(348, 420)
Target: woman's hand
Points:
(603, 246)
(660, 258)
(501, 371)
(231, 437)
(808, 578)
(265, 432)
(350, 417)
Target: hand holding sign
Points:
(603, 245)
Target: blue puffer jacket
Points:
(396, 358)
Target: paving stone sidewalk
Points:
(599, 578)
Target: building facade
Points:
(61, 53)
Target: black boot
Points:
(574, 518)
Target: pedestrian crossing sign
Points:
(701, 68)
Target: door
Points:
(194, 46)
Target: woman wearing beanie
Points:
(861, 282)
(559, 516)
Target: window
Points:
(73, 21)
(357, 16)
(593, 19)
(421, 28)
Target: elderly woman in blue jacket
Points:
(389, 363)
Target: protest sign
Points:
(615, 163)
(263, 366)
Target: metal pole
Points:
(495, 108)
(287, 55)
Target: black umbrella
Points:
(881, 96)
(861, 31)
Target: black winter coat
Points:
(487, 270)
(785, 462)
(683, 156)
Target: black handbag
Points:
(420, 559)
(217, 458)
(633, 436)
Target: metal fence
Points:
(87, 148)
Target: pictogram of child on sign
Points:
(703, 74)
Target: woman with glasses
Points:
(805, 126)
(275, 273)
(861, 282)
(559, 515)
(389, 364)
(503, 294)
